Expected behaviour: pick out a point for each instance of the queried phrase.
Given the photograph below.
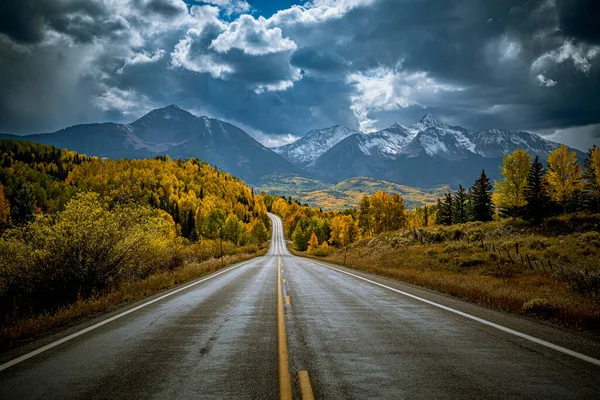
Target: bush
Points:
(454, 248)
(470, 262)
(82, 251)
(583, 281)
(323, 250)
(538, 244)
(436, 236)
(591, 239)
(540, 307)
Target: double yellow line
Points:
(285, 380)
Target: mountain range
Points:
(175, 132)
(426, 154)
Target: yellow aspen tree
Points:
(509, 192)
(563, 178)
(313, 242)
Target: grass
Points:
(21, 329)
(555, 276)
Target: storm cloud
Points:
(518, 64)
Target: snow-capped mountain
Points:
(316, 142)
(428, 152)
(387, 142)
(175, 132)
(495, 143)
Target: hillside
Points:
(174, 132)
(345, 194)
(80, 234)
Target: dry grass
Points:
(127, 292)
(452, 260)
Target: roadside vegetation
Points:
(81, 234)
(528, 243)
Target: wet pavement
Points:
(218, 339)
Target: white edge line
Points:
(474, 318)
(111, 319)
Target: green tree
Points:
(509, 193)
(459, 204)
(231, 229)
(364, 216)
(22, 205)
(300, 238)
(259, 231)
(482, 206)
(538, 203)
(445, 212)
(591, 179)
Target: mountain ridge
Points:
(173, 131)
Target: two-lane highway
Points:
(349, 336)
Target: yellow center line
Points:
(305, 387)
(287, 299)
(285, 381)
(284, 280)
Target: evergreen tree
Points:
(481, 198)
(445, 211)
(591, 180)
(459, 206)
(191, 227)
(538, 203)
(425, 215)
(439, 214)
(22, 205)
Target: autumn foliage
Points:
(76, 227)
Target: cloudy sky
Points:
(279, 68)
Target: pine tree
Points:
(459, 206)
(482, 205)
(591, 180)
(537, 207)
(439, 214)
(22, 205)
(445, 212)
(191, 227)
(425, 215)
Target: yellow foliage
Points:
(563, 178)
(510, 190)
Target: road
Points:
(247, 331)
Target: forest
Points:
(528, 190)
(75, 227)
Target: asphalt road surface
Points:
(281, 326)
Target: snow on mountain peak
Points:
(430, 121)
(316, 142)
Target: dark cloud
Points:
(580, 19)
(26, 21)
(519, 64)
(166, 8)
